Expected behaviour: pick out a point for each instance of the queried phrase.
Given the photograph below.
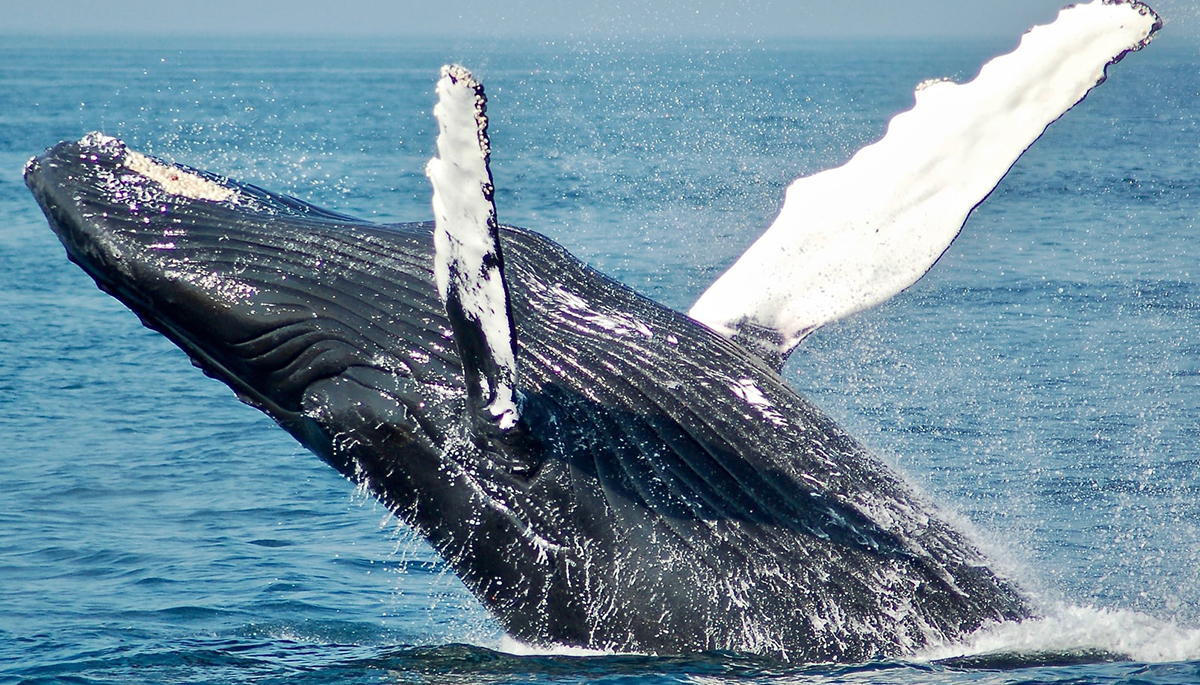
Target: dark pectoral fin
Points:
(468, 263)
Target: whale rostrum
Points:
(600, 470)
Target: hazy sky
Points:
(548, 18)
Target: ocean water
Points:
(1042, 382)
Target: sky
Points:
(582, 19)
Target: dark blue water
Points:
(1043, 381)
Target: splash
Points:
(511, 645)
(1119, 634)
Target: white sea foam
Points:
(1078, 629)
(1067, 629)
(511, 645)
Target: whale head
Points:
(147, 232)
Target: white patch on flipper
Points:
(465, 243)
(849, 238)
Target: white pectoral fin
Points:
(468, 263)
(852, 237)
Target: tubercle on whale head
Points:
(177, 181)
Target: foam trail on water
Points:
(1076, 629)
(511, 645)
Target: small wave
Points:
(1074, 634)
(511, 645)
(271, 542)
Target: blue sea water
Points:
(1043, 382)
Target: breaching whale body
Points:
(601, 471)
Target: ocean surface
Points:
(1042, 382)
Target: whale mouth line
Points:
(145, 311)
(195, 350)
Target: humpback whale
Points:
(599, 470)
